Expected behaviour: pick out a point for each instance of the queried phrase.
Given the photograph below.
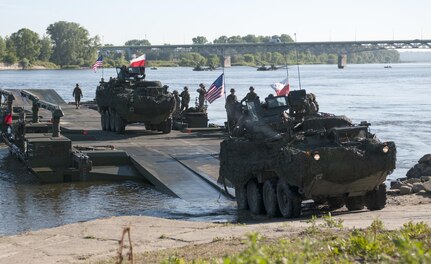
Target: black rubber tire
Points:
(120, 124)
(376, 199)
(107, 120)
(102, 120)
(335, 203)
(289, 202)
(241, 197)
(354, 203)
(270, 202)
(254, 197)
(122, 127)
(112, 120)
(167, 126)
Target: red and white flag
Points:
(138, 62)
(281, 88)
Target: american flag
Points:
(99, 63)
(216, 89)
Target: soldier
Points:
(313, 106)
(124, 72)
(165, 88)
(251, 96)
(185, 99)
(77, 93)
(177, 103)
(231, 100)
(202, 91)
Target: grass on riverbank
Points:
(328, 242)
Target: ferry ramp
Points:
(184, 165)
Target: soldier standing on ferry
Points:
(185, 99)
(231, 101)
(77, 93)
(251, 96)
(202, 91)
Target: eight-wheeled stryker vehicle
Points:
(283, 152)
(129, 98)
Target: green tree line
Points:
(65, 45)
(69, 45)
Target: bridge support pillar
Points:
(342, 61)
(226, 62)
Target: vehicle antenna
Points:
(287, 68)
(297, 62)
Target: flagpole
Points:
(225, 97)
(297, 63)
(102, 57)
(102, 66)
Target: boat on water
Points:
(203, 68)
(269, 68)
(154, 68)
(387, 67)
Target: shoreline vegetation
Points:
(157, 64)
(68, 45)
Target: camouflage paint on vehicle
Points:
(283, 151)
(129, 98)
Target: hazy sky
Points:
(178, 21)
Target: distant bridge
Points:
(337, 47)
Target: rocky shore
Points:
(417, 180)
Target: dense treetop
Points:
(69, 45)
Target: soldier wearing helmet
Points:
(185, 99)
(251, 96)
(231, 101)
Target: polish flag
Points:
(138, 62)
(281, 88)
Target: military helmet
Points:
(251, 88)
(175, 92)
(232, 90)
(186, 88)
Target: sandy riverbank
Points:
(97, 240)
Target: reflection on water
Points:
(395, 102)
(27, 205)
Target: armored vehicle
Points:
(129, 98)
(283, 152)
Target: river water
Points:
(396, 101)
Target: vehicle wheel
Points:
(254, 197)
(122, 127)
(270, 198)
(241, 197)
(335, 203)
(167, 126)
(376, 199)
(120, 124)
(112, 120)
(107, 120)
(288, 201)
(354, 203)
(102, 120)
